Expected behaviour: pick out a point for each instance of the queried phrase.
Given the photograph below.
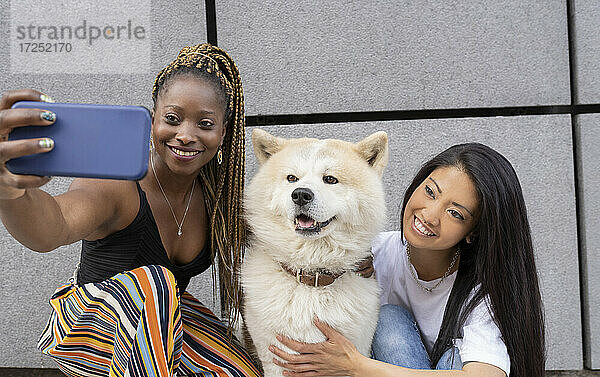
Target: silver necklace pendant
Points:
(187, 207)
(416, 279)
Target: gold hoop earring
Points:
(220, 156)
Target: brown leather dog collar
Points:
(323, 278)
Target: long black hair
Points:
(498, 266)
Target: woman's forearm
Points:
(374, 368)
(35, 220)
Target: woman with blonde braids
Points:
(127, 313)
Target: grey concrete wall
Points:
(589, 181)
(586, 18)
(329, 56)
(173, 24)
(340, 56)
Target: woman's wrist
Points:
(360, 367)
(374, 368)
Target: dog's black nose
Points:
(302, 196)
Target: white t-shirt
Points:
(481, 340)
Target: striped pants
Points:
(135, 324)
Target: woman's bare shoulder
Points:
(116, 202)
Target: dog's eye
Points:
(330, 179)
(292, 178)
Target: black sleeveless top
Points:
(137, 245)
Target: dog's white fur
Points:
(274, 302)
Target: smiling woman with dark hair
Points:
(460, 294)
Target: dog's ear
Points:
(374, 149)
(265, 145)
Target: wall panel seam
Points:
(579, 206)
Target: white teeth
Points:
(183, 153)
(422, 228)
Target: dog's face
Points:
(311, 191)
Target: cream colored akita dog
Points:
(313, 208)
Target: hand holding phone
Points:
(94, 141)
(11, 185)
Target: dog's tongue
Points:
(305, 221)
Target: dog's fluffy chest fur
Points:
(275, 303)
(284, 306)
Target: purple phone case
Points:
(93, 141)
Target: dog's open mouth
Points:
(305, 224)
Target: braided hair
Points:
(223, 183)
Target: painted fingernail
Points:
(46, 143)
(45, 98)
(279, 337)
(271, 348)
(48, 115)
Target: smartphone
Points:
(90, 141)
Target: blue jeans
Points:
(398, 341)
